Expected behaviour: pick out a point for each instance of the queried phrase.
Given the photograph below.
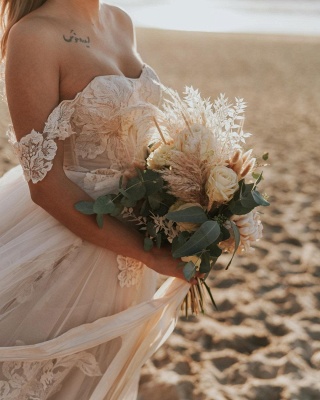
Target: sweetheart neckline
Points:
(57, 110)
(117, 76)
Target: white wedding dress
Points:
(78, 321)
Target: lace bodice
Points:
(105, 129)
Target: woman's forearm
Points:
(59, 200)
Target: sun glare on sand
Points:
(251, 16)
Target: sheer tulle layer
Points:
(64, 316)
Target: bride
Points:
(79, 311)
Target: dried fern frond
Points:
(186, 178)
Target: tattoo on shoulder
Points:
(74, 38)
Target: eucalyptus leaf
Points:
(193, 214)
(225, 234)
(128, 202)
(236, 234)
(259, 199)
(239, 191)
(117, 211)
(104, 205)
(205, 266)
(151, 229)
(210, 295)
(148, 244)
(248, 202)
(255, 175)
(154, 201)
(162, 210)
(153, 182)
(258, 178)
(215, 250)
(247, 189)
(179, 241)
(237, 208)
(123, 192)
(159, 240)
(189, 270)
(85, 207)
(99, 219)
(136, 189)
(208, 232)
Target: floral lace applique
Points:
(106, 118)
(35, 153)
(131, 271)
(58, 124)
(39, 380)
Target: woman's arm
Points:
(32, 80)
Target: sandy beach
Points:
(264, 342)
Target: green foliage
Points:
(189, 270)
(99, 219)
(85, 207)
(194, 215)
(259, 199)
(246, 198)
(136, 189)
(258, 178)
(104, 205)
(236, 235)
(205, 266)
(148, 244)
(147, 195)
(207, 234)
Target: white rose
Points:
(221, 185)
(160, 157)
(185, 226)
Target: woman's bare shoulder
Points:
(32, 30)
(32, 73)
(120, 17)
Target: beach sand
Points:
(264, 342)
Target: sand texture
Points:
(264, 342)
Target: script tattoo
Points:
(73, 38)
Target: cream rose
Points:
(185, 226)
(221, 185)
(160, 157)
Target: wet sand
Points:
(264, 342)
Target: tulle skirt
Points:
(77, 321)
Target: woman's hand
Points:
(163, 263)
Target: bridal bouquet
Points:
(197, 191)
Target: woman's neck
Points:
(83, 10)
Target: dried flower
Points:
(250, 229)
(242, 164)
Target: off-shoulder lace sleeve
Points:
(35, 153)
(36, 150)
